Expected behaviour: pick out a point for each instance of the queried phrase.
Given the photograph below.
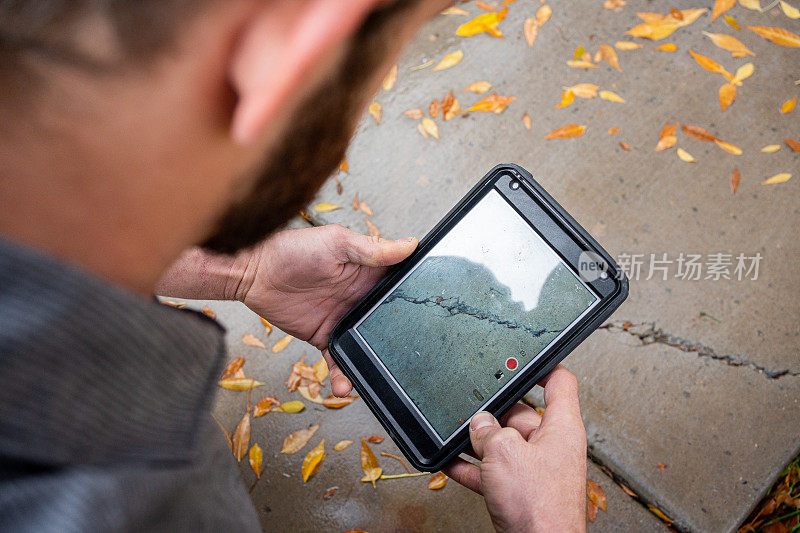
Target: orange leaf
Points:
(788, 105)
(721, 6)
(281, 344)
(728, 147)
(334, 402)
(369, 463)
(625, 146)
(564, 132)
(727, 93)
(543, 14)
(657, 26)
(581, 64)
(567, 97)
(232, 368)
(252, 340)
(777, 35)
(295, 441)
(450, 106)
(526, 120)
(698, 133)
(454, 11)
(342, 444)
(583, 90)
(208, 312)
(264, 405)
(610, 56)
(320, 369)
(667, 47)
(312, 461)
(256, 455)
(375, 110)
(793, 144)
(414, 113)
(531, 30)
(591, 510)
(307, 394)
(710, 64)
(485, 6)
(613, 131)
(667, 137)
(729, 43)
(375, 439)
(438, 481)
(478, 87)
(329, 493)
(240, 384)
(342, 168)
(493, 103)
(482, 23)
(390, 79)
(241, 437)
(596, 494)
(364, 206)
(372, 229)
(433, 109)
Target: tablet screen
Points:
(483, 304)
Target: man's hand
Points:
(533, 469)
(305, 280)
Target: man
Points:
(133, 130)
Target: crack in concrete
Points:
(459, 307)
(647, 333)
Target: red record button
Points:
(512, 363)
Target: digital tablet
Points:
(494, 297)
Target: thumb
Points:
(375, 251)
(482, 426)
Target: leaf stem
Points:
(398, 476)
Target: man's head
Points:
(133, 129)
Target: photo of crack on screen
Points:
(481, 305)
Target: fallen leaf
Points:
(531, 29)
(325, 207)
(727, 93)
(610, 56)
(626, 45)
(305, 393)
(342, 444)
(698, 133)
(355, 202)
(543, 14)
(334, 402)
(732, 23)
(790, 11)
(422, 66)
(454, 11)
(526, 120)
(567, 97)
(613, 4)
(478, 87)
(591, 510)
(685, 156)
(710, 65)
(256, 455)
(329, 493)
(372, 229)
(583, 90)
(295, 406)
(295, 441)
(612, 97)
(232, 368)
(742, 73)
(437, 481)
(241, 437)
(754, 5)
(613, 131)
(281, 344)
(777, 35)
(342, 168)
(596, 494)
(240, 384)
(728, 147)
(485, 6)
(667, 47)
(625, 146)
(433, 108)
(657, 26)
(264, 406)
(450, 106)
(578, 53)
(581, 64)
(252, 340)
(177, 305)
(729, 43)
(369, 463)
(375, 439)
(449, 60)
(661, 466)
(721, 6)
(777, 178)
(414, 113)
(506, 2)
(320, 369)
(312, 461)
(788, 105)
(628, 491)
(656, 511)
(564, 132)
(208, 312)
(667, 137)
(374, 110)
(430, 127)
(793, 144)
(771, 148)
(390, 79)
(365, 208)
(493, 103)
(421, 130)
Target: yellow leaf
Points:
(728, 147)
(743, 72)
(295, 406)
(727, 93)
(430, 127)
(659, 513)
(449, 60)
(754, 5)
(478, 87)
(709, 64)
(612, 97)
(252, 340)
(320, 369)
(482, 23)
(578, 53)
(422, 66)
(788, 105)
(721, 6)
(240, 384)
(531, 30)
(437, 481)
(777, 178)
(564, 132)
(493, 103)
(375, 110)
(256, 456)
(454, 11)
(342, 168)
(325, 207)
(626, 45)
(771, 148)
(732, 23)
(390, 79)
(295, 441)
(312, 461)
(583, 90)
(369, 463)
(667, 47)
(685, 156)
(657, 26)
(790, 11)
(543, 14)
(729, 43)
(777, 35)
(241, 437)
(567, 97)
(581, 64)
(281, 344)
(526, 120)
(610, 56)
(305, 393)
(342, 444)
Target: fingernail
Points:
(408, 239)
(481, 419)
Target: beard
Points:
(319, 133)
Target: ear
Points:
(276, 50)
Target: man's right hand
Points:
(533, 468)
